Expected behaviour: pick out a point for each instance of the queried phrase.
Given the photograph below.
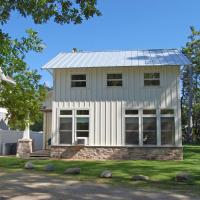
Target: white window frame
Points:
(111, 86)
(151, 79)
(168, 115)
(139, 124)
(81, 116)
(76, 74)
(65, 116)
(157, 127)
(73, 116)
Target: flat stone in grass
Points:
(29, 165)
(49, 167)
(183, 177)
(75, 170)
(140, 178)
(106, 174)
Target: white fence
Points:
(7, 136)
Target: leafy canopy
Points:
(62, 11)
(25, 99)
(192, 50)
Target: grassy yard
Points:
(161, 173)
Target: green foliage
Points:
(192, 51)
(24, 100)
(26, 97)
(61, 11)
(38, 124)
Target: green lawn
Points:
(161, 173)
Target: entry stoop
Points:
(41, 154)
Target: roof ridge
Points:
(110, 51)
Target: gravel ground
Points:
(31, 186)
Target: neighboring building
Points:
(3, 111)
(47, 120)
(3, 119)
(116, 105)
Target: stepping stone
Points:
(75, 170)
(49, 167)
(140, 178)
(106, 174)
(183, 177)
(29, 165)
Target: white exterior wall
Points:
(107, 104)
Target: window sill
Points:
(152, 87)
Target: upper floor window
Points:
(114, 79)
(78, 80)
(151, 79)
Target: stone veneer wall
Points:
(117, 153)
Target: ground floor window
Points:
(167, 131)
(82, 126)
(65, 130)
(131, 127)
(73, 124)
(132, 130)
(149, 131)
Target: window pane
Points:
(132, 138)
(66, 123)
(132, 130)
(151, 82)
(167, 111)
(78, 84)
(131, 112)
(65, 112)
(149, 112)
(114, 76)
(149, 131)
(82, 123)
(78, 77)
(82, 112)
(167, 130)
(65, 137)
(114, 83)
(132, 123)
(151, 75)
(82, 134)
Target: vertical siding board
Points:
(92, 125)
(103, 128)
(118, 114)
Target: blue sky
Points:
(124, 25)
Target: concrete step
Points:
(40, 154)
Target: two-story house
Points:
(115, 105)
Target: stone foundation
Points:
(117, 153)
(24, 148)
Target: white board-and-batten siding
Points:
(107, 104)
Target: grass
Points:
(161, 173)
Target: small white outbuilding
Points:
(115, 105)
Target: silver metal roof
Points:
(155, 57)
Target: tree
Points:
(191, 90)
(24, 100)
(62, 11)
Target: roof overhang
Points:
(137, 58)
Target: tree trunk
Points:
(189, 135)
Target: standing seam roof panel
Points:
(150, 57)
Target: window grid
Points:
(151, 79)
(114, 79)
(78, 80)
